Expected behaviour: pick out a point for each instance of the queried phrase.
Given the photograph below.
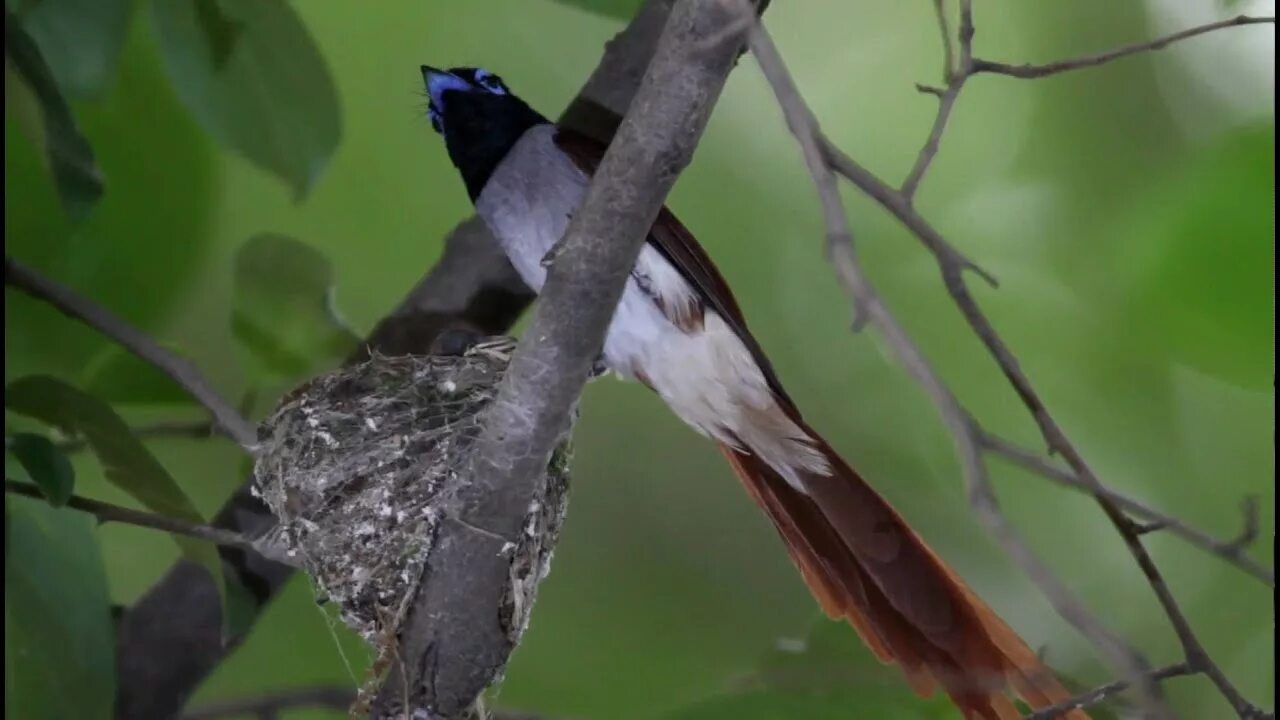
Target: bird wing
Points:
(677, 245)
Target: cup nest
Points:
(360, 464)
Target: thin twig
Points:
(953, 278)
(964, 433)
(948, 56)
(1249, 534)
(106, 512)
(179, 369)
(1096, 695)
(195, 429)
(955, 79)
(1028, 71)
(1231, 551)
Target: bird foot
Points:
(598, 368)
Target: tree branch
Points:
(106, 512)
(443, 670)
(179, 369)
(194, 429)
(1095, 696)
(968, 437)
(1231, 551)
(1028, 71)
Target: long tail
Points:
(864, 564)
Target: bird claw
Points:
(598, 368)
(550, 257)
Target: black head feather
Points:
(479, 118)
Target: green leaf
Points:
(253, 76)
(81, 40)
(126, 462)
(128, 241)
(283, 313)
(624, 9)
(46, 465)
(59, 644)
(75, 172)
(221, 30)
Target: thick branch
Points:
(452, 634)
(170, 639)
(179, 369)
(1028, 71)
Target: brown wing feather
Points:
(674, 241)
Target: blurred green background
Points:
(1127, 210)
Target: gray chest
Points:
(528, 200)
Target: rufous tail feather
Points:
(865, 565)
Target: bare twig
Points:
(1028, 71)
(948, 55)
(195, 429)
(955, 79)
(964, 432)
(1231, 551)
(1058, 442)
(969, 439)
(1249, 533)
(178, 368)
(1096, 695)
(106, 512)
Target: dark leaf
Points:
(126, 462)
(71, 160)
(283, 312)
(140, 250)
(59, 646)
(81, 40)
(221, 31)
(253, 76)
(46, 465)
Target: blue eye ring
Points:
(490, 82)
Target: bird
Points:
(679, 331)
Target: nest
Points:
(359, 465)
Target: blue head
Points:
(479, 118)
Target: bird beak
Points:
(438, 81)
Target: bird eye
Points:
(490, 81)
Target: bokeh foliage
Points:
(1127, 211)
